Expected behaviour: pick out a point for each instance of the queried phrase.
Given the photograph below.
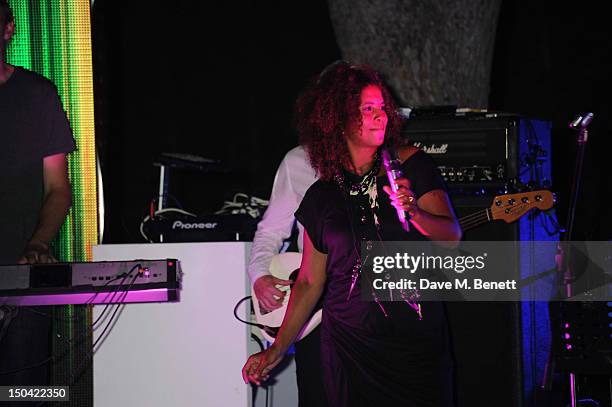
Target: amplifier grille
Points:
(472, 153)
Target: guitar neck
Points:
(475, 219)
(509, 208)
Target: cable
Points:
(241, 204)
(77, 342)
(158, 197)
(47, 360)
(120, 304)
(13, 312)
(52, 357)
(259, 342)
(35, 311)
(81, 369)
(250, 205)
(74, 343)
(114, 292)
(8, 313)
(79, 339)
(261, 347)
(260, 326)
(88, 302)
(157, 213)
(550, 217)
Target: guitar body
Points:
(284, 266)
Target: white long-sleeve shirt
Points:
(293, 178)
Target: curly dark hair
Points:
(6, 15)
(329, 105)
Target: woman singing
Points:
(373, 353)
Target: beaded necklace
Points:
(367, 186)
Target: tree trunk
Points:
(431, 52)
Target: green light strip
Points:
(57, 13)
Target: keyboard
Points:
(104, 282)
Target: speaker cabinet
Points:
(486, 336)
(500, 348)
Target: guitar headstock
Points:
(512, 206)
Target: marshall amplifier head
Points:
(472, 152)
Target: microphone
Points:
(392, 166)
(581, 121)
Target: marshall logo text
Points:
(432, 149)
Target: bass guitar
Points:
(286, 265)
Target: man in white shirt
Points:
(293, 178)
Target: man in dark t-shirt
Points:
(34, 139)
(35, 196)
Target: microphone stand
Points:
(580, 124)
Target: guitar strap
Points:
(290, 244)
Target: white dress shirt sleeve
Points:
(293, 177)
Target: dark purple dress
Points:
(369, 359)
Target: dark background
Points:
(219, 81)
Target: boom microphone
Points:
(392, 166)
